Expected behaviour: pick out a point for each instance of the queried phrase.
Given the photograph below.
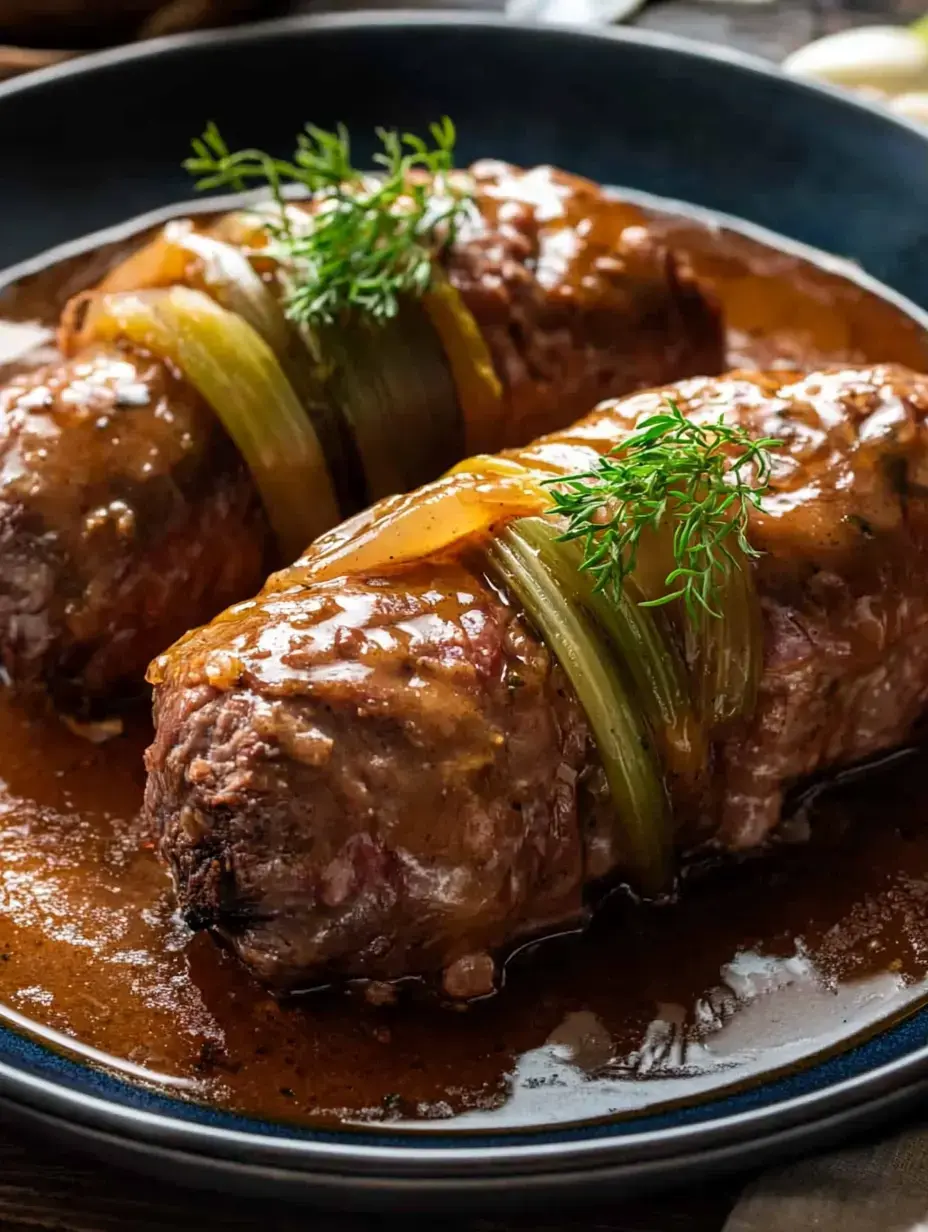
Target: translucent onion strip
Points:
(726, 654)
(441, 516)
(182, 255)
(648, 655)
(489, 464)
(227, 275)
(395, 389)
(159, 263)
(236, 371)
(480, 392)
(623, 740)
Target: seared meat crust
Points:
(125, 516)
(382, 776)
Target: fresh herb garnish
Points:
(373, 237)
(670, 470)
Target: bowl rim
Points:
(372, 19)
(414, 1157)
(408, 1158)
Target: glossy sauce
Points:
(760, 966)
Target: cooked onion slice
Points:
(726, 652)
(394, 387)
(180, 255)
(229, 277)
(438, 517)
(159, 263)
(480, 393)
(489, 464)
(226, 274)
(648, 655)
(623, 739)
(399, 384)
(238, 374)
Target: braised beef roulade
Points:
(395, 760)
(126, 511)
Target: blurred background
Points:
(878, 48)
(37, 32)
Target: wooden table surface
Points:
(45, 1187)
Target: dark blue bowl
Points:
(95, 142)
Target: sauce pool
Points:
(757, 968)
(761, 966)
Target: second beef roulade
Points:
(126, 513)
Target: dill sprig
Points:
(373, 237)
(693, 476)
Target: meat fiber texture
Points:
(384, 776)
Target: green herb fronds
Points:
(372, 238)
(701, 479)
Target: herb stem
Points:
(700, 479)
(371, 238)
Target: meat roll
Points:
(388, 773)
(126, 515)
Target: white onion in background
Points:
(884, 63)
(912, 106)
(888, 58)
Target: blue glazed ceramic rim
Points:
(835, 1093)
(905, 1041)
(373, 19)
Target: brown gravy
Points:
(759, 967)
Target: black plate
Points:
(92, 143)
